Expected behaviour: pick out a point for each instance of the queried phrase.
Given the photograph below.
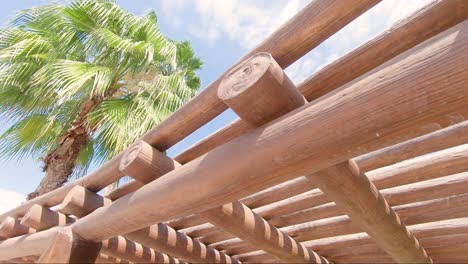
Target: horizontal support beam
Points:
(42, 218)
(361, 200)
(26, 245)
(446, 162)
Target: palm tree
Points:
(81, 82)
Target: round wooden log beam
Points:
(124, 248)
(124, 189)
(138, 155)
(369, 210)
(81, 202)
(441, 139)
(26, 245)
(247, 225)
(260, 83)
(12, 227)
(438, 140)
(42, 218)
(399, 103)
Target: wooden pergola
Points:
(366, 161)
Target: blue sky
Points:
(221, 32)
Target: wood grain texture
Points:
(440, 139)
(440, 162)
(42, 218)
(393, 93)
(67, 247)
(81, 202)
(240, 220)
(139, 155)
(416, 28)
(12, 227)
(126, 249)
(350, 189)
(26, 245)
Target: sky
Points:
(221, 32)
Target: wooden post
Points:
(67, 247)
(314, 137)
(11, 227)
(42, 218)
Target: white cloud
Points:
(248, 22)
(10, 199)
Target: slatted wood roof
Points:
(366, 161)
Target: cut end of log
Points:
(246, 75)
(131, 154)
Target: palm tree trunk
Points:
(59, 163)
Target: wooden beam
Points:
(441, 139)
(67, 247)
(124, 248)
(426, 173)
(26, 245)
(264, 197)
(124, 189)
(159, 237)
(420, 231)
(11, 227)
(323, 16)
(238, 219)
(438, 140)
(418, 27)
(81, 202)
(140, 154)
(361, 200)
(260, 83)
(42, 218)
(398, 103)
